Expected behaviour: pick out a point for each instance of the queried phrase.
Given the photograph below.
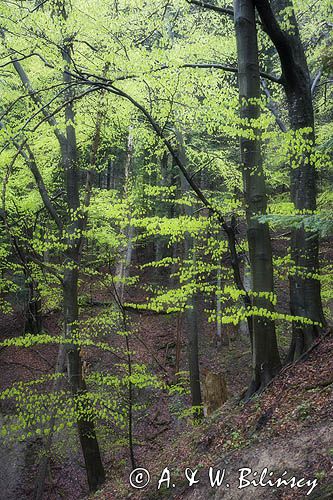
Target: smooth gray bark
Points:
(266, 360)
(305, 290)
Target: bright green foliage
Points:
(141, 48)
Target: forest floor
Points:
(286, 428)
(154, 344)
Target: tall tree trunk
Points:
(110, 175)
(75, 225)
(161, 248)
(191, 312)
(86, 428)
(87, 434)
(266, 360)
(122, 273)
(243, 327)
(192, 329)
(124, 263)
(305, 296)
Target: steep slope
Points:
(288, 428)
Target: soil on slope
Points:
(288, 428)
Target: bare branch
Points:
(223, 67)
(159, 131)
(210, 6)
(31, 162)
(272, 106)
(231, 69)
(38, 101)
(51, 115)
(12, 104)
(26, 56)
(35, 8)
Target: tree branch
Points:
(31, 162)
(35, 8)
(277, 36)
(272, 106)
(33, 94)
(49, 116)
(24, 96)
(215, 8)
(231, 69)
(223, 67)
(159, 131)
(23, 57)
(38, 101)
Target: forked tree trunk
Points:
(305, 296)
(75, 225)
(266, 360)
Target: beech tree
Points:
(266, 360)
(73, 225)
(305, 297)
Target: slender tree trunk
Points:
(122, 273)
(305, 293)
(44, 462)
(110, 175)
(266, 360)
(86, 429)
(130, 396)
(218, 308)
(192, 329)
(178, 342)
(33, 314)
(191, 313)
(243, 327)
(161, 249)
(124, 263)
